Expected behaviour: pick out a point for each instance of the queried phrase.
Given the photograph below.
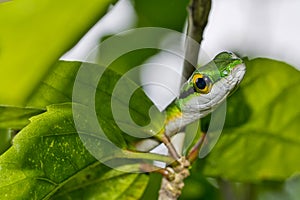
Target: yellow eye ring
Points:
(201, 83)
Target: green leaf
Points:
(16, 117)
(260, 140)
(99, 182)
(34, 34)
(58, 88)
(48, 159)
(13, 119)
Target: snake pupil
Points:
(200, 83)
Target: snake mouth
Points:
(237, 75)
(238, 72)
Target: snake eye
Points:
(202, 83)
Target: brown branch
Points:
(198, 11)
(171, 188)
(194, 152)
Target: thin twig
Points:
(172, 151)
(194, 152)
(198, 11)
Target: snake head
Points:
(210, 84)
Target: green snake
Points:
(201, 94)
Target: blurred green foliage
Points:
(169, 14)
(34, 34)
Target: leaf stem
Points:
(146, 156)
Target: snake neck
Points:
(173, 112)
(176, 119)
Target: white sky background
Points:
(253, 28)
